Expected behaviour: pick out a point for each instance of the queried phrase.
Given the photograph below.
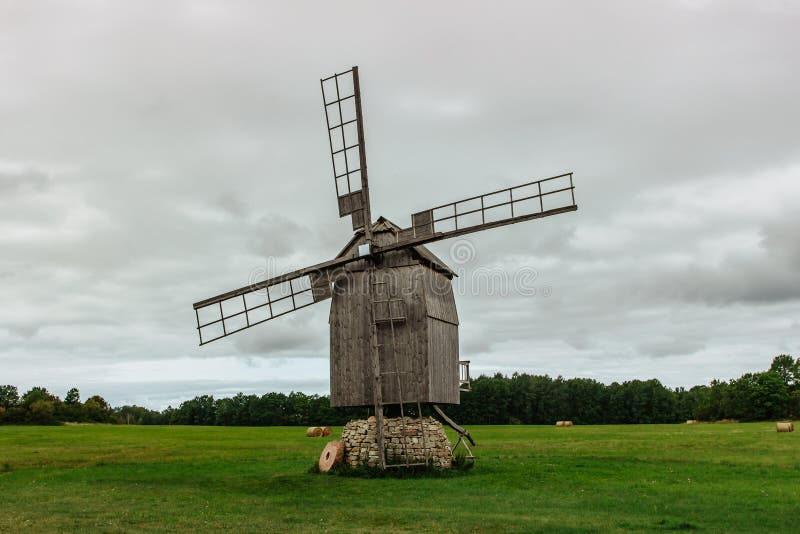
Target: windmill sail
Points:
(341, 97)
(533, 200)
(236, 310)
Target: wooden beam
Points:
(438, 236)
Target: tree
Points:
(97, 409)
(793, 408)
(787, 369)
(197, 411)
(73, 397)
(136, 415)
(36, 394)
(9, 396)
(41, 412)
(759, 396)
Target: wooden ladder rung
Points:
(388, 319)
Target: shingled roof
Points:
(424, 255)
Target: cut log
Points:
(314, 432)
(332, 455)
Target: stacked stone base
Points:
(361, 442)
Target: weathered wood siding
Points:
(426, 342)
(439, 300)
(351, 364)
(442, 339)
(443, 362)
(410, 341)
(351, 369)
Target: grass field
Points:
(715, 478)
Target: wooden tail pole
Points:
(452, 424)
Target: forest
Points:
(516, 399)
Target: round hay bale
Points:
(314, 432)
(559, 423)
(567, 423)
(332, 455)
(785, 427)
(691, 421)
(326, 431)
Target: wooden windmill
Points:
(393, 320)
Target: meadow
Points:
(104, 478)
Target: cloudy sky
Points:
(156, 153)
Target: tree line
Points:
(516, 399)
(530, 399)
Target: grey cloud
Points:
(169, 152)
(580, 340)
(276, 235)
(13, 181)
(742, 276)
(303, 334)
(665, 346)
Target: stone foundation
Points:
(361, 442)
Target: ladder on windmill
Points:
(388, 309)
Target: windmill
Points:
(393, 319)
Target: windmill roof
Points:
(426, 256)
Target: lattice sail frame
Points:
(341, 98)
(532, 200)
(260, 302)
(236, 310)
(242, 308)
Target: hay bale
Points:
(559, 423)
(785, 427)
(691, 421)
(567, 423)
(326, 431)
(332, 455)
(314, 432)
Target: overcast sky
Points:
(156, 153)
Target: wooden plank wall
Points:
(442, 339)
(439, 299)
(410, 340)
(426, 342)
(443, 362)
(351, 367)
(351, 370)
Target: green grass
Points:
(714, 478)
